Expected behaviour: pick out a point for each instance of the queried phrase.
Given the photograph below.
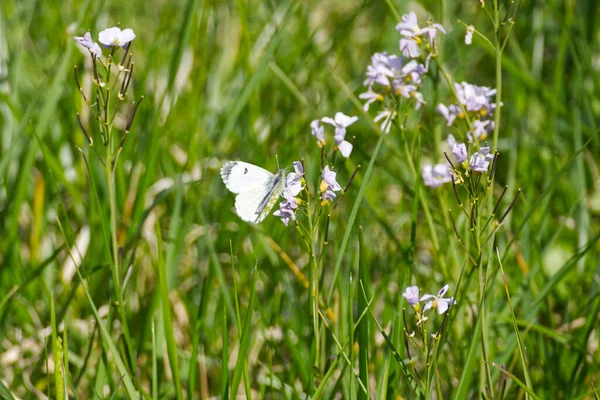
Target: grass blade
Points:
(244, 341)
(363, 326)
(163, 288)
(516, 328)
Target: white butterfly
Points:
(257, 189)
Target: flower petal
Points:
(344, 120)
(329, 121)
(443, 291)
(107, 36)
(126, 36)
(442, 306)
(427, 306)
(345, 148)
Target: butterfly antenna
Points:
(277, 160)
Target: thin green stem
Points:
(314, 287)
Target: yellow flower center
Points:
(323, 187)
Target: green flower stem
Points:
(115, 267)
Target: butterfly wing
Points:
(241, 177)
(255, 204)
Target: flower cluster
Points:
(391, 75)
(111, 37)
(413, 36)
(107, 85)
(436, 302)
(390, 78)
(477, 102)
(340, 123)
(294, 183)
(479, 162)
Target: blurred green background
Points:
(242, 80)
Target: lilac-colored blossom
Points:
(414, 71)
(409, 25)
(379, 71)
(409, 47)
(475, 98)
(438, 301)
(408, 29)
(458, 149)
(411, 294)
(329, 185)
(402, 89)
(318, 131)
(87, 42)
(412, 34)
(371, 97)
(481, 129)
(287, 208)
(449, 113)
(480, 161)
(436, 175)
(430, 32)
(386, 116)
(293, 181)
(116, 37)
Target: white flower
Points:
(116, 37)
(438, 302)
(341, 122)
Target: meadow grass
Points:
(126, 273)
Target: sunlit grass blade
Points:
(5, 394)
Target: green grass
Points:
(140, 281)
